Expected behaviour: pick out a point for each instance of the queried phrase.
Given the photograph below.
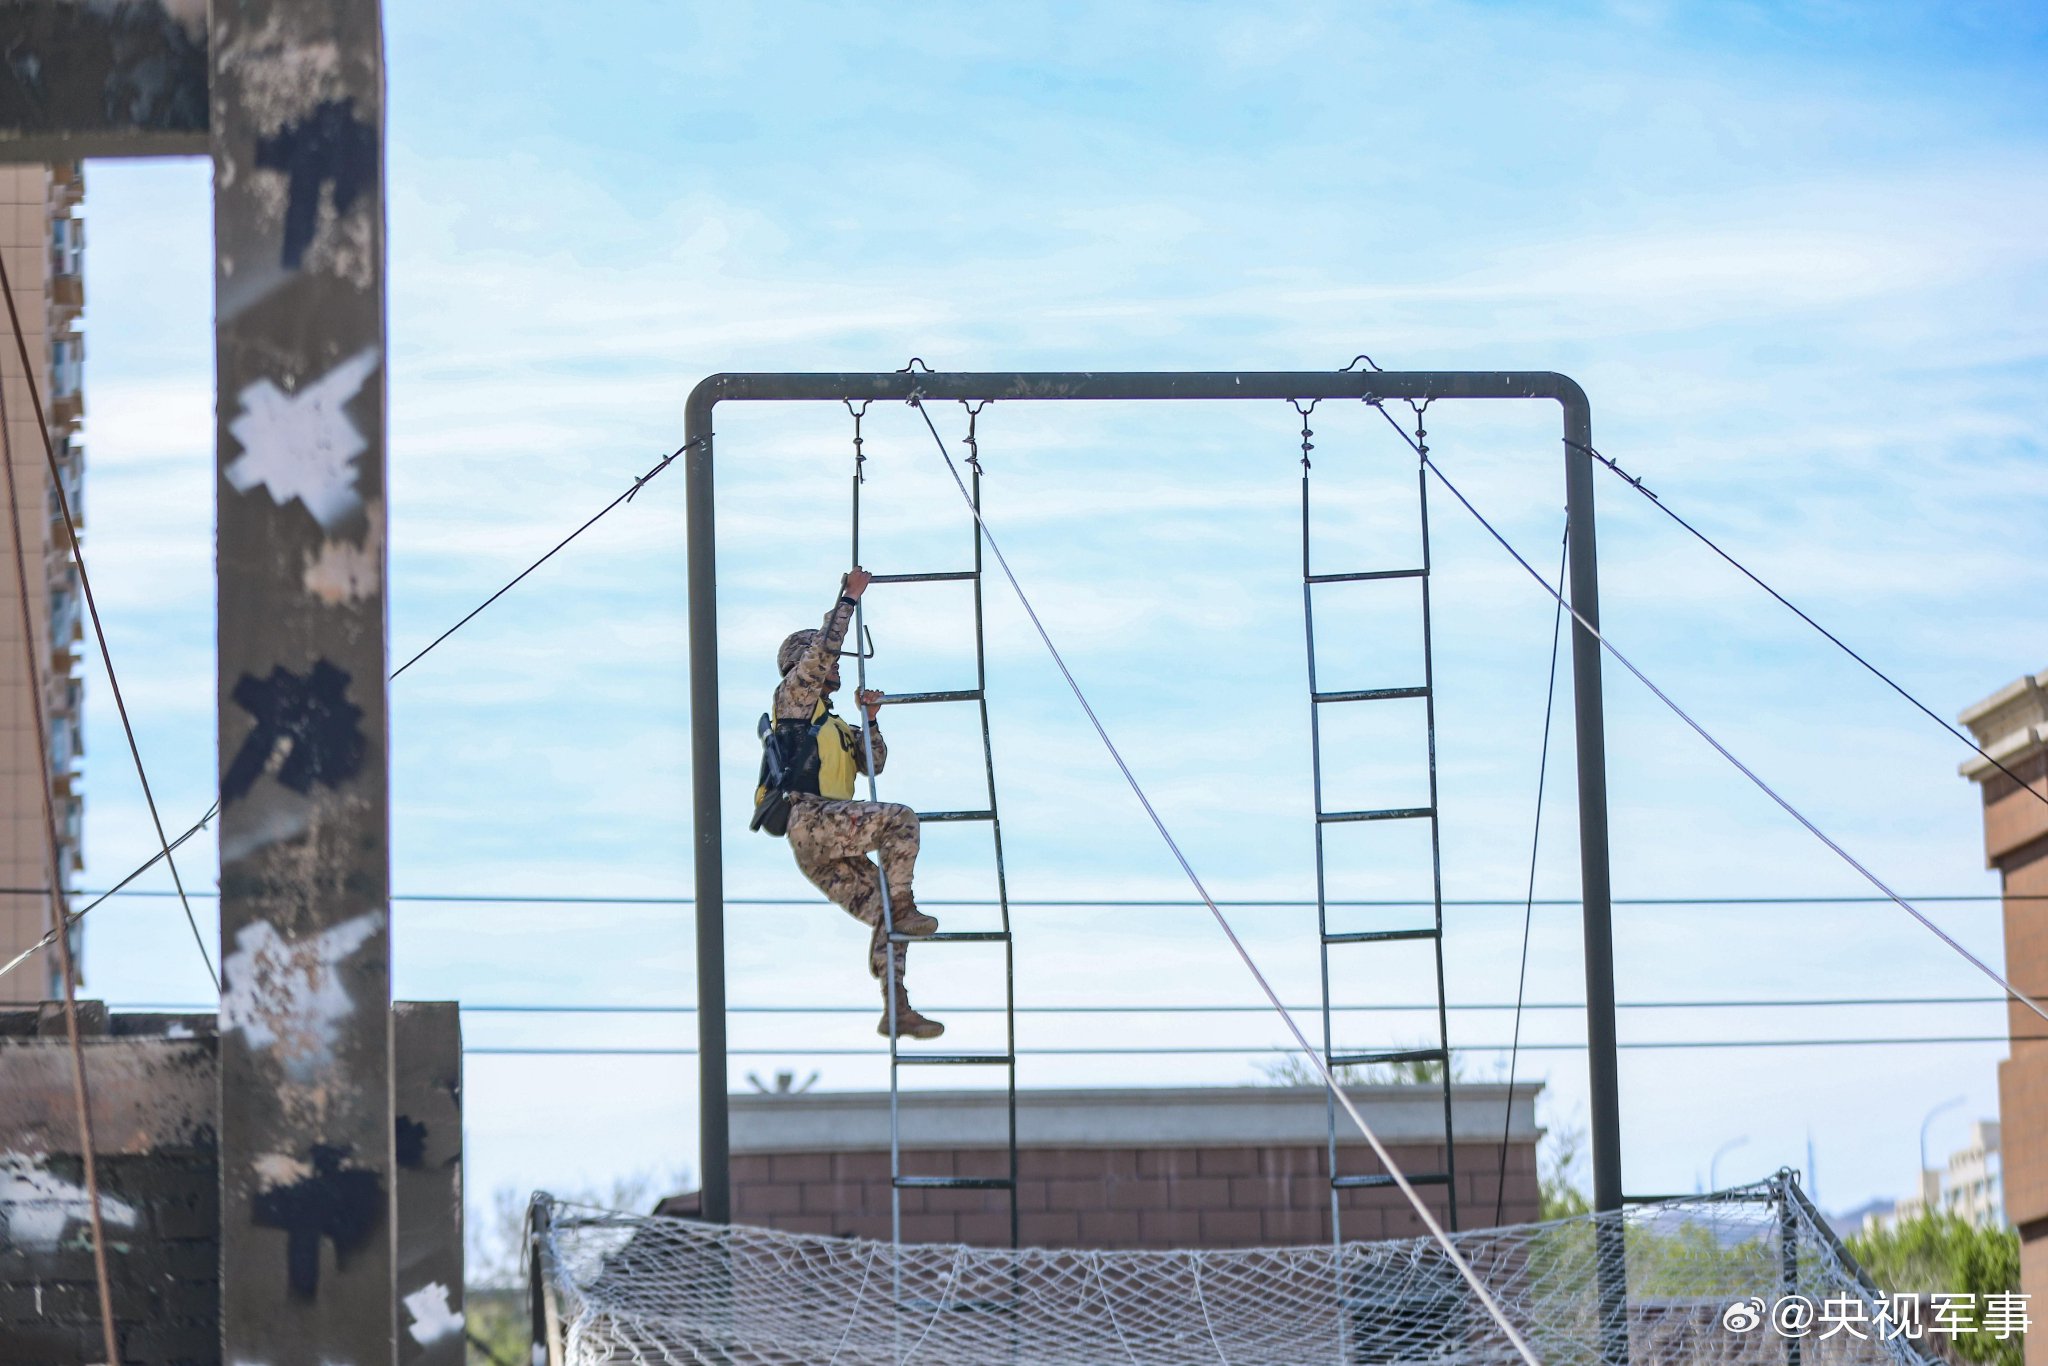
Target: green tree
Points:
(1557, 1172)
(1295, 1070)
(1939, 1252)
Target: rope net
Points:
(633, 1288)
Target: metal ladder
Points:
(1433, 932)
(899, 1180)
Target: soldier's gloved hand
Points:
(855, 583)
(870, 700)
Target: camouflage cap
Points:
(793, 649)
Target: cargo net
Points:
(1695, 1280)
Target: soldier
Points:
(830, 832)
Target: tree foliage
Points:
(1941, 1252)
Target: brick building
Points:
(1151, 1168)
(42, 237)
(2012, 726)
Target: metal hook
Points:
(1361, 356)
(973, 408)
(1306, 432)
(859, 457)
(911, 368)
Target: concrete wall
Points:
(154, 1083)
(154, 1100)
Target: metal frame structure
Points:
(900, 386)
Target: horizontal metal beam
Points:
(1128, 385)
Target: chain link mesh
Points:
(632, 1288)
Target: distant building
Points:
(2012, 727)
(43, 238)
(1969, 1185)
(1195, 1167)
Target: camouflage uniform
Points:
(832, 839)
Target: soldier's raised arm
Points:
(804, 680)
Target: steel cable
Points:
(1637, 484)
(1500, 1193)
(1872, 878)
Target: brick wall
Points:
(2013, 724)
(1123, 1197)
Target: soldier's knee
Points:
(900, 818)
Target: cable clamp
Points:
(1626, 477)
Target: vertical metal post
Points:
(1602, 1061)
(426, 1096)
(714, 1136)
(1788, 1255)
(1591, 733)
(306, 1140)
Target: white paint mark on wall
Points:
(280, 1169)
(343, 572)
(36, 1206)
(432, 1317)
(287, 996)
(303, 445)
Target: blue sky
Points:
(1792, 252)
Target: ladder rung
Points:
(1378, 936)
(905, 699)
(953, 1183)
(1361, 695)
(1354, 578)
(954, 937)
(1394, 813)
(1352, 1183)
(949, 576)
(956, 1059)
(956, 815)
(1387, 1055)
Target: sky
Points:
(1792, 253)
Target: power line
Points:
(1137, 903)
(1173, 1008)
(211, 811)
(1134, 1051)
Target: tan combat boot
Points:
(906, 919)
(909, 1024)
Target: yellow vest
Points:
(836, 768)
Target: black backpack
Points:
(789, 763)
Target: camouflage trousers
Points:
(832, 841)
